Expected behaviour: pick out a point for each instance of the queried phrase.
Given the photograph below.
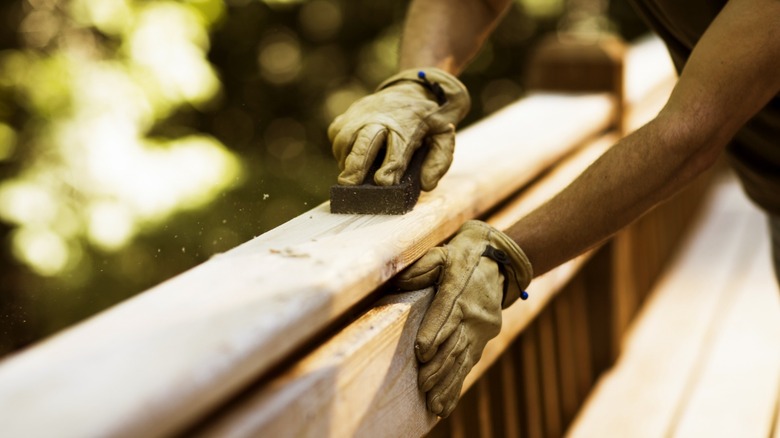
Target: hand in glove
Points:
(407, 109)
(479, 272)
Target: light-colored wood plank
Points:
(640, 396)
(172, 353)
(264, 413)
(339, 389)
(515, 322)
(516, 317)
(175, 352)
(736, 392)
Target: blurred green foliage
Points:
(138, 138)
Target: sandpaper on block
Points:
(369, 198)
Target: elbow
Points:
(695, 138)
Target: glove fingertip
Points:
(424, 350)
(447, 410)
(385, 176)
(439, 158)
(435, 405)
(425, 272)
(429, 182)
(351, 177)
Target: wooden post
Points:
(567, 63)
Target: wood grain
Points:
(172, 353)
(158, 362)
(268, 412)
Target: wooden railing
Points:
(273, 337)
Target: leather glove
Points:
(407, 109)
(480, 272)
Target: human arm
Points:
(440, 37)
(731, 75)
(447, 33)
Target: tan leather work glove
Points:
(478, 273)
(406, 110)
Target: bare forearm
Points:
(447, 33)
(635, 175)
(730, 76)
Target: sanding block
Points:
(369, 198)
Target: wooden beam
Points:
(249, 416)
(264, 413)
(158, 362)
(340, 389)
(169, 355)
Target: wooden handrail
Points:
(371, 363)
(363, 382)
(162, 360)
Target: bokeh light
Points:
(321, 19)
(97, 176)
(279, 57)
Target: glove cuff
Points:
(442, 87)
(511, 259)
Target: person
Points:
(726, 99)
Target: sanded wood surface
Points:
(252, 417)
(261, 413)
(644, 394)
(168, 355)
(158, 362)
(268, 412)
(340, 389)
